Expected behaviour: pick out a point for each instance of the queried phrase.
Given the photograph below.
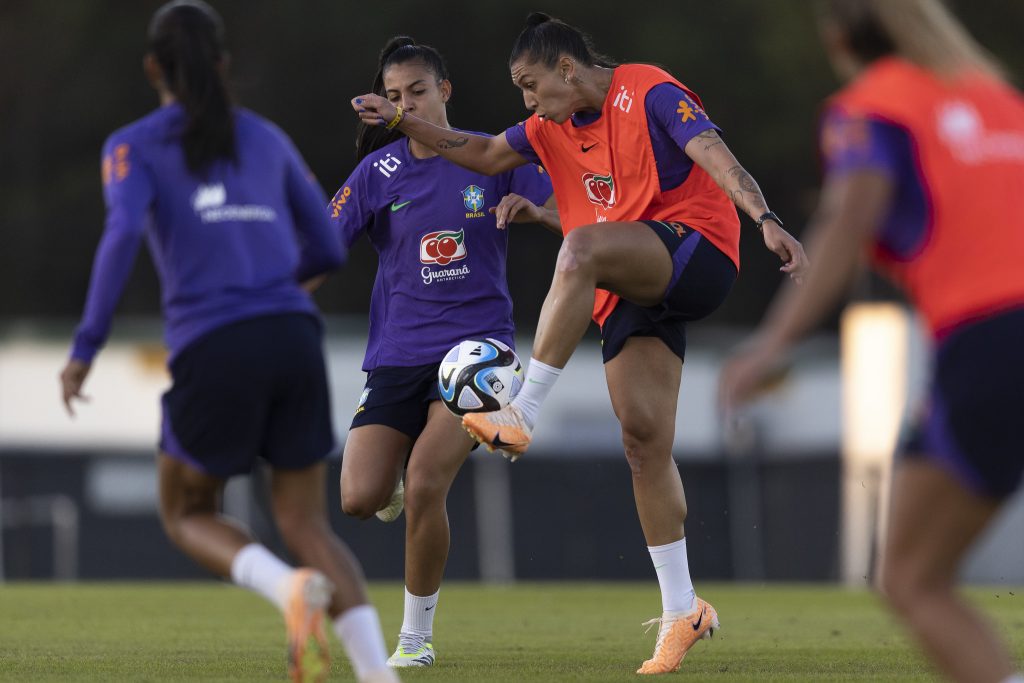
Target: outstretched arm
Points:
(709, 151)
(850, 209)
(487, 155)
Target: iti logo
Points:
(600, 189)
(442, 247)
(209, 197)
(624, 99)
(473, 198)
(388, 165)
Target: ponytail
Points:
(398, 50)
(546, 39)
(187, 39)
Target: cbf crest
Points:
(473, 199)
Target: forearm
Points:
(550, 220)
(710, 152)
(465, 149)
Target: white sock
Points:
(677, 595)
(540, 378)
(256, 568)
(1015, 678)
(419, 614)
(358, 629)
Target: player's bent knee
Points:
(422, 494)
(576, 252)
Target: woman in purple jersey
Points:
(406, 198)
(228, 202)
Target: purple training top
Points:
(669, 134)
(228, 246)
(441, 277)
(856, 144)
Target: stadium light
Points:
(874, 365)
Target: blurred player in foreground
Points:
(441, 280)
(645, 189)
(228, 201)
(924, 156)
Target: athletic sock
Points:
(677, 595)
(358, 629)
(419, 614)
(540, 378)
(256, 568)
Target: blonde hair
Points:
(924, 32)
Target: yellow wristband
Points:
(399, 115)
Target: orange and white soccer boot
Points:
(676, 637)
(503, 430)
(309, 657)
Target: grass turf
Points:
(526, 632)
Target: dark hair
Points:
(867, 37)
(187, 39)
(398, 50)
(546, 39)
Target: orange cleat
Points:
(677, 636)
(309, 658)
(503, 430)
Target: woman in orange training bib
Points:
(924, 156)
(645, 189)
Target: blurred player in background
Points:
(924, 168)
(235, 223)
(645, 189)
(441, 280)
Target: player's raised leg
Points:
(371, 471)
(648, 417)
(625, 258)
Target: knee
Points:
(359, 504)
(643, 441)
(576, 254)
(905, 584)
(423, 493)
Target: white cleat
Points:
(395, 505)
(412, 650)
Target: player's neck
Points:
(593, 84)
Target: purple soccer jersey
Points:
(669, 132)
(441, 276)
(230, 245)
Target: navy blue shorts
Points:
(253, 388)
(398, 397)
(701, 279)
(971, 423)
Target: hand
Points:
(374, 110)
(787, 248)
(514, 208)
(748, 372)
(72, 377)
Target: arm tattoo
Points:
(452, 143)
(710, 139)
(746, 184)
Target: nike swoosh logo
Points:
(430, 608)
(396, 207)
(498, 443)
(696, 626)
(587, 149)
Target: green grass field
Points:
(528, 632)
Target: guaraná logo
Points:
(600, 189)
(442, 247)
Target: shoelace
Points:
(410, 643)
(508, 416)
(663, 625)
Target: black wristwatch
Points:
(768, 216)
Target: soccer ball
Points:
(479, 375)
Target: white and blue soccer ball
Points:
(479, 375)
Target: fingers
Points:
(508, 207)
(368, 108)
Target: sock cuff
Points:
(534, 363)
(668, 547)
